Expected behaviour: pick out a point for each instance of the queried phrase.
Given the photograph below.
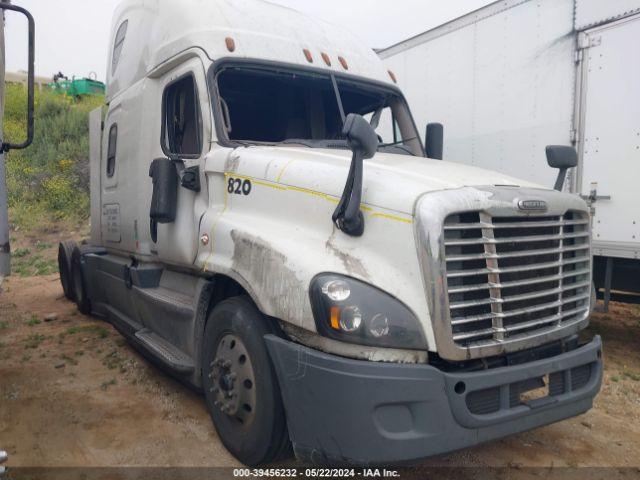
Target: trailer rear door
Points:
(610, 142)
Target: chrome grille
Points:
(510, 277)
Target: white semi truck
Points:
(516, 75)
(323, 283)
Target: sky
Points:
(72, 36)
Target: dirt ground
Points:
(74, 393)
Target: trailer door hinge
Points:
(573, 136)
(579, 56)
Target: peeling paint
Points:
(265, 269)
(352, 265)
(232, 163)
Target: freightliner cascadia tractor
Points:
(268, 227)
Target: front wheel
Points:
(240, 384)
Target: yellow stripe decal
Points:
(365, 208)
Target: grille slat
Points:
(515, 275)
(524, 268)
(478, 226)
(551, 278)
(482, 256)
(522, 311)
(525, 239)
(518, 298)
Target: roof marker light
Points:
(308, 55)
(393, 76)
(231, 44)
(344, 63)
(326, 59)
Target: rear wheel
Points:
(240, 384)
(79, 284)
(65, 250)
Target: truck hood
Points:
(391, 181)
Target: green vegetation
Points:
(4, 325)
(69, 359)
(105, 385)
(32, 265)
(34, 320)
(98, 330)
(632, 376)
(34, 341)
(49, 180)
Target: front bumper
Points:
(358, 412)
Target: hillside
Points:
(48, 183)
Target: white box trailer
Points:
(515, 76)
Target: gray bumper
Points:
(358, 412)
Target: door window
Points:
(111, 150)
(182, 128)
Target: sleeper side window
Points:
(111, 150)
(182, 127)
(118, 44)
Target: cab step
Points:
(165, 352)
(171, 301)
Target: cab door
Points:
(184, 139)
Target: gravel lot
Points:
(74, 393)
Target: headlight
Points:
(352, 311)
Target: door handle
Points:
(593, 194)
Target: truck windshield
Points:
(262, 105)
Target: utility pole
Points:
(5, 249)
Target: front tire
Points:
(240, 384)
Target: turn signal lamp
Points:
(308, 56)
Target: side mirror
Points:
(363, 142)
(563, 158)
(164, 199)
(360, 135)
(434, 140)
(4, 146)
